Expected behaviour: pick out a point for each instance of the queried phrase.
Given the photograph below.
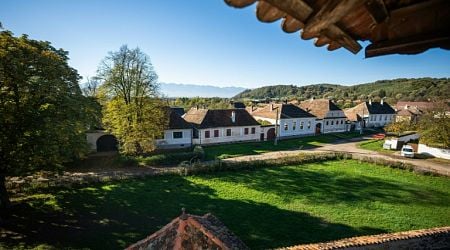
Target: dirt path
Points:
(349, 146)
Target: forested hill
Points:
(416, 89)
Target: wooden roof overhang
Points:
(391, 26)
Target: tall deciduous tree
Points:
(434, 127)
(43, 114)
(133, 111)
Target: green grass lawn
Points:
(375, 145)
(266, 208)
(253, 148)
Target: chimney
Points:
(196, 106)
(382, 101)
(370, 101)
(233, 116)
(285, 101)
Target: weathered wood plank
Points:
(240, 3)
(377, 10)
(330, 13)
(267, 13)
(336, 34)
(291, 25)
(321, 41)
(409, 45)
(295, 8)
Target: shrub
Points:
(167, 158)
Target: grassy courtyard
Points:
(375, 145)
(253, 148)
(266, 208)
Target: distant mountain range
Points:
(192, 90)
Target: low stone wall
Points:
(433, 238)
(68, 179)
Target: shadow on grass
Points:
(116, 215)
(332, 187)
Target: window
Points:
(380, 118)
(385, 117)
(309, 124)
(285, 126)
(216, 133)
(342, 121)
(332, 123)
(294, 125)
(301, 125)
(327, 123)
(228, 131)
(253, 131)
(245, 131)
(177, 135)
(207, 134)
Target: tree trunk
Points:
(4, 197)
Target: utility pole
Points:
(275, 142)
(362, 122)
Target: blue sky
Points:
(203, 42)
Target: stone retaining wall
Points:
(45, 179)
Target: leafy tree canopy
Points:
(132, 110)
(43, 114)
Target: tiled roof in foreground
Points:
(191, 232)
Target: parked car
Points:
(407, 151)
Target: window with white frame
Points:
(285, 126)
(301, 125)
(177, 135)
(309, 124)
(294, 125)
(228, 132)
(253, 131)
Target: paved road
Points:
(350, 146)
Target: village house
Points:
(178, 133)
(222, 126)
(292, 121)
(330, 118)
(372, 114)
(412, 111)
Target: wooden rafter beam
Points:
(295, 8)
(409, 45)
(240, 3)
(296, 12)
(331, 12)
(377, 10)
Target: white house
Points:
(292, 121)
(222, 126)
(330, 118)
(178, 133)
(371, 114)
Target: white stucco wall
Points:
(92, 138)
(170, 142)
(436, 152)
(309, 125)
(237, 135)
(379, 120)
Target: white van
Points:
(407, 151)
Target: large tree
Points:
(43, 114)
(132, 110)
